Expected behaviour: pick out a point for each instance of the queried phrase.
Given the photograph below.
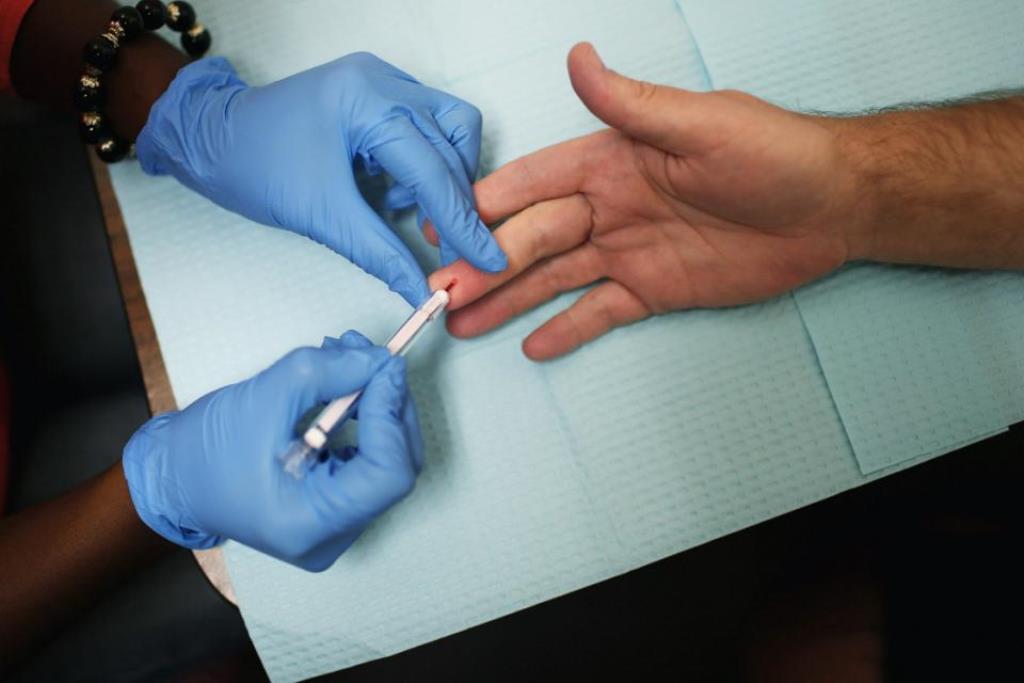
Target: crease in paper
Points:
(918, 360)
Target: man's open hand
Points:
(689, 200)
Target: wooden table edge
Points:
(159, 395)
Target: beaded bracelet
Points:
(100, 53)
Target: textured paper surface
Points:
(917, 360)
(831, 55)
(540, 479)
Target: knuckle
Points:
(474, 117)
(302, 363)
(604, 315)
(399, 480)
(290, 547)
(646, 91)
(736, 95)
(316, 565)
(550, 277)
(405, 482)
(576, 327)
(354, 69)
(362, 57)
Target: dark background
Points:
(923, 566)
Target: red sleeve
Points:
(11, 14)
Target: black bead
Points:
(180, 16)
(112, 149)
(196, 41)
(92, 127)
(100, 53)
(153, 13)
(130, 21)
(89, 94)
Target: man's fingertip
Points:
(453, 326)
(584, 55)
(540, 349)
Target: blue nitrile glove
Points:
(210, 472)
(283, 155)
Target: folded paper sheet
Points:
(540, 479)
(917, 360)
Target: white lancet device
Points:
(305, 451)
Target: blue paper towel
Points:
(918, 360)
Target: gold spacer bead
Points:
(116, 29)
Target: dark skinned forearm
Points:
(47, 61)
(56, 558)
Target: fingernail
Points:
(597, 56)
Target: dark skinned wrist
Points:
(46, 62)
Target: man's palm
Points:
(691, 200)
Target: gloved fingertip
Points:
(354, 340)
(494, 259)
(404, 277)
(330, 343)
(414, 294)
(398, 197)
(369, 165)
(488, 255)
(396, 373)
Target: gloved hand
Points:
(210, 472)
(283, 155)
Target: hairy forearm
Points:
(56, 558)
(939, 186)
(47, 61)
